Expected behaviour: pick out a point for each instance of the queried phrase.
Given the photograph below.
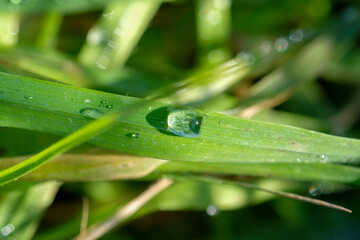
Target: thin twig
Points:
(84, 219)
(123, 213)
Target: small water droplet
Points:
(87, 100)
(281, 45)
(28, 97)
(150, 108)
(103, 102)
(323, 159)
(296, 35)
(91, 113)
(135, 135)
(212, 211)
(110, 106)
(315, 190)
(185, 122)
(221, 122)
(298, 160)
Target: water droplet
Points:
(323, 159)
(315, 190)
(135, 135)
(91, 113)
(298, 160)
(221, 122)
(212, 211)
(28, 97)
(281, 45)
(110, 106)
(87, 100)
(296, 35)
(103, 102)
(185, 122)
(150, 108)
(97, 36)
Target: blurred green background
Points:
(159, 44)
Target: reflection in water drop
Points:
(281, 45)
(212, 210)
(296, 35)
(185, 122)
(91, 113)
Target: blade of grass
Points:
(50, 28)
(58, 109)
(110, 42)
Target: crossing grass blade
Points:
(82, 135)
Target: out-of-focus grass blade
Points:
(106, 166)
(213, 20)
(80, 136)
(89, 167)
(50, 27)
(145, 130)
(51, 65)
(9, 29)
(110, 42)
(304, 67)
(20, 211)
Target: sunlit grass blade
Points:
(213, 20)
(50, 27)
(111, 166)
(110, 42)
(21, 211)
(73, 140)
(89, 167)
(145, 130)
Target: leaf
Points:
(58, 109)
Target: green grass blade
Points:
(144, 131)
(110, 42)
(65, 144)
(50, 27)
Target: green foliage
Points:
(212, 94)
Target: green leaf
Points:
(56, 108)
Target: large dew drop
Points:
(91, 113)
(184, 122)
